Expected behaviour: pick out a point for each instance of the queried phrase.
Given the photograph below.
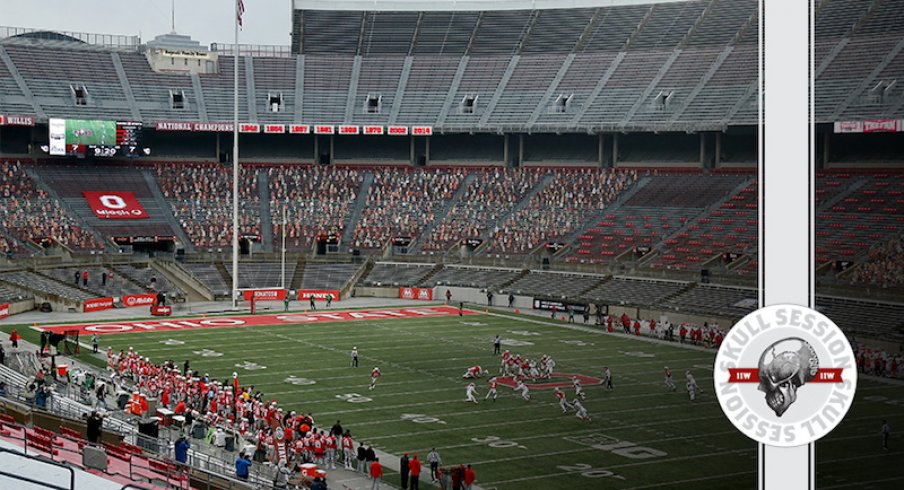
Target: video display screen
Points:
(79, 137)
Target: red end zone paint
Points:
(509, 381)
(250, 321)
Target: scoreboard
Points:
(77, 137)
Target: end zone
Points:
(107, 328)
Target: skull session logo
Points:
(785, 375)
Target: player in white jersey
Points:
(492, 391)
(471, 391)
(525, 391)
(578, 389)
(692, 389)
(668, 379)
(534, 372)
(374, 376)
(550, 366)
(607, 378)
(563, 403)
(580, 411)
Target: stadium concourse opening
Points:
(557, 199)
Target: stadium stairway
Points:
(299, 274)
(67, 205)
(24, 245)
(707, 211)
(194, 289)
(525, 199)
(837, 198)
(263, 191)
(221, 268)
(597, 217)
(166, 211)
(360, 203)
(441, 216)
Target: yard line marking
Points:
(656, 461)
(692, 480)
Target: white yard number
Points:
(579, 343)
(172, 342)
(638, 354)
(419, 418)
(493, 441)
(354, 398)
(250, 366)
(588, 471)
(630, 450)
(474, 324)
(515, 343)
(292, 380)
(526, 333)
(208, 353)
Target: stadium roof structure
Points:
(617, 66)
(464, 5)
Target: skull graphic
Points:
(784, 367)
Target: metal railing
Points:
(17, 476)
(106, 40)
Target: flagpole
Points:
(284, 248)
(235, 166)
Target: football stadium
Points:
(484, 245)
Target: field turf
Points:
(645, 436)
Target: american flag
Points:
(240, 8)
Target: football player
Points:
(471, 391)
(492, 391)
(525, 391)
(668, 379)
(374, 376)
(580, 411)
(563, 403)
(692, 389)
(578, 389)
(474, 372)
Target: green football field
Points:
(641, 436)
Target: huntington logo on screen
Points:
(785, 375)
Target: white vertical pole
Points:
(284, 248)
(235, 167)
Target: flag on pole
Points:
(240, 10)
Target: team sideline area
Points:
(639, 434)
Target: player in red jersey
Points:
(668, 379)
(474, 372)
(560, 397)
(374, 376)
(492, 391)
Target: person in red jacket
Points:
(469, 478)
(376, 473)
(414, 470)
(682, 333)
(637, 328)
(609, 324)
(14, 338)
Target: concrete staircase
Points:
(166, 211)
(456, 198)
(487, 234)
(263, 191)
(360, 204)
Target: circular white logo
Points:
(785, 375)
(113, 202)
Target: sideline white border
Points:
(786, 273)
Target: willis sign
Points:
(416, 293)
(115, 205)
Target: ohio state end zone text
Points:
(104, 328)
